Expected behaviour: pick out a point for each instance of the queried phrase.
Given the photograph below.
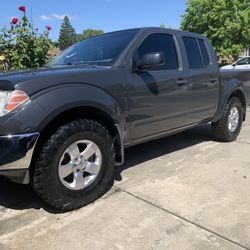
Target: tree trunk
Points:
(235, 57)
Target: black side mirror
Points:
(151, 60)
(234, 64)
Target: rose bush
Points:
(22, 46)
(22, 8)
(48, 28)
(14, 21)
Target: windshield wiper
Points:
(70, 63)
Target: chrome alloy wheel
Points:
(80, 165)
(233, 119)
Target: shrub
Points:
(21, 46)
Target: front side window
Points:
(101, 50)
(161, 43)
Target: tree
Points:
(89, 33)
(163, 26)
(225, 22)
(21, 46)
(67, 34)
(55, 44)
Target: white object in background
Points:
(243, 63)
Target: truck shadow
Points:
(20, 197)
(154, 149)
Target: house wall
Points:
(245, 52)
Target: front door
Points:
(155, 96)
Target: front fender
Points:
(56, 100)
(49, 103)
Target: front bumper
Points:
(16, 154)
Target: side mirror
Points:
(234, 64)
(151, 60)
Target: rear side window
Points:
(193, 53)
(161, 43)
(204, 53)
(197, 53)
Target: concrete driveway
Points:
(183, 192)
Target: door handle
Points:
(181, 82)
(213, 79)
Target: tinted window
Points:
(243, 61)
(193, 53)
(204, 53)
(161, 43)
(101, 50)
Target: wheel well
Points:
(81, 113)
(240, 95)
(78, 113)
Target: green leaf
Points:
(225, 22)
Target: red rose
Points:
(48, 28)
(22, 8)
(14, 20)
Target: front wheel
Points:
(75, 165)
(229, 126)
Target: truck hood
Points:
(32, 81)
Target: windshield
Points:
(101, 50)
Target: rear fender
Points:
(228, 89)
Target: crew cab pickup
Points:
(64, 127)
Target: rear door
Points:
(202, 75)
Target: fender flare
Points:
(232, 86)
(55, 102)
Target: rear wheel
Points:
(229, 126)
(75, 165)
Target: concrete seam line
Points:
(186, 220)
(243, 142)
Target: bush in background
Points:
(89, 33)
(21, 46)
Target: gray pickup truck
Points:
(65, 126)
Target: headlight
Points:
(10, 100)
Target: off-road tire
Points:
(220, 128)
(46, 181)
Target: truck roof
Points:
(158, 29)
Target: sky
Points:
(108, 15)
